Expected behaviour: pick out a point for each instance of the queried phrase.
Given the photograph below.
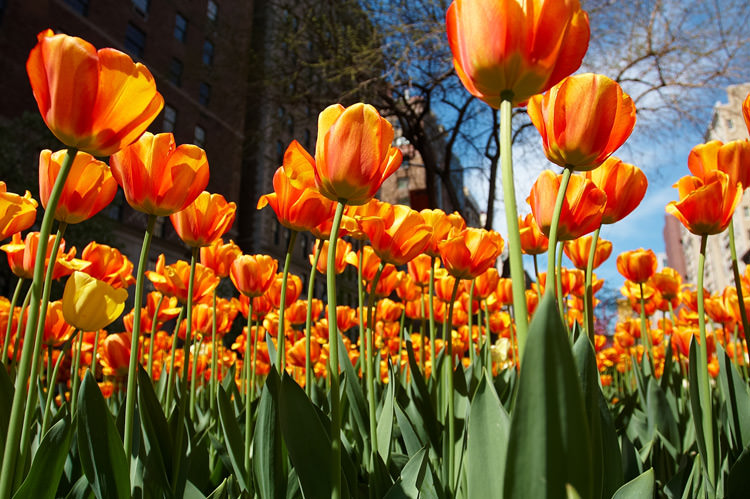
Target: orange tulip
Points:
(17, 213)
(56, 330)
(172, 280)
(624, 184)
(22, 255)
(167, 310)
(252, 275)
(582, 207)
(88, 189)
(219, 256)
(352, 215)
(346, 318)
(582, 120)
(406, 289)
(296, 313)
(637, 265)
(419, 269)
(296, 202)
(353, 154)
(388, 281)
(471, 252)
(533, 242)
(108, 265)
(261, 306)
(205, 220)
(668, 282)
(706, 206)
(343, 248)
(746, 111)
(512, 49)
(115, 354)
(293, 289)
(400, 241)
(96, 101)
(578, 251)
(731, 158)
(370, 262)
(442, 225)
(486, 283)
(158, 177)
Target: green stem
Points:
(20, 324)
(511, 216)
(31, 397)
(213, 387)
(186, 346)
(737, 280)
(422, 330)
(16, 422)
(361, 310)
(369, 367)
(487, 341)
(154, 325)
(308, 319)
(94, 349)
(75, 375)
(9, 328)
(333, 358)
(281, 336)
(248, 395)
(538, 282)
(197, 351)
(134, 340)
(470, 312)
(255, 351)
(448, 342)
(706, 422)
(558, 284)
(51, 382)
(432, 316)
(553, 230)
(645, 335)
(588, 302)
(172, 370)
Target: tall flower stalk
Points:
(704, 389)
(281, 345)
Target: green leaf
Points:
(736, 401)
(638, 488)
(488, 429)
(660, 417)
(269, 460)
(156, 438)
(306, 439)
(549, 442)
(420, 397)
(99, 444)
(588, 374)
(738, 482)
(412, 441)
(695, 403)
(385, 420)
(47, 467)
(612, 470)
(232, 438)
(412, 475)
(192, 492)
(355, 397)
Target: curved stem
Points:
(249, 368)
(558, 284)
(737, 279)
(538, 282)
(172, 370)
(38, 340)
(132, 375)
(75, 373)
(432, 316)
(281, 337)
(308, 318)
(51, 383)
(706, 422)
(9, 328)
(369, 367)
(553, 230)
(214, 356)
(154, 326)
(448, 342)
(186, 347)
(588, 303)
(16, 422)
(333, 358)
(511, 216)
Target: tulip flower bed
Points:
(442, 380)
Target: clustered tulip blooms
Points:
(194, 370)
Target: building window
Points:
(180, 27)
(141, 6)
(208, 52)
(204, 93)
(403, 183)
(79, 6)
(279, 153)
(135, 40)
(308, 138)
(746, 211)
(175, 71)
(212, 10)
(199, 139)
(170, 118)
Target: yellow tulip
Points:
(90, 304)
